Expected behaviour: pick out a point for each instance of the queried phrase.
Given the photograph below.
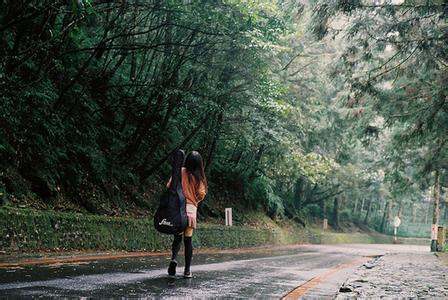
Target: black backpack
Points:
(171, 216)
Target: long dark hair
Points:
(195, 167)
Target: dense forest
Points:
(301, 109)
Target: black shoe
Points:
(172, 268)
(188, 274)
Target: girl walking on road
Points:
(194, 187)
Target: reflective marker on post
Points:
(434, 232)
(228, 216)
(397, 223)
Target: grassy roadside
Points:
(31, 230)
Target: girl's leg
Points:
(175, 247)
(188, 248)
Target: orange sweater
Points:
(194, 193)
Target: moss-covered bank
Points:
(25, 229)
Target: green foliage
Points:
(96, 95)
(346, 216)
(94, 102)
(261, 189)
(393, 63)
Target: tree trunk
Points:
(323, 209)
(400, 209)
(366, 218)
(414, 213)
(445, 216)
(336, 213)
(384, 220)
(355, 208)
(212, 149)
(435, 212)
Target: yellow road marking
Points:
(302, 289)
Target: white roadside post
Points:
(228, 212)
(397, 223)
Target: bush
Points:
(345, 216)
(261, 193)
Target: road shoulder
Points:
(398, 275)
(443, 257)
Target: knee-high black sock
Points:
(175, 247)
(188, 252)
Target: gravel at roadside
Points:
(398, 275)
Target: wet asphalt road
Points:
(262, 274)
